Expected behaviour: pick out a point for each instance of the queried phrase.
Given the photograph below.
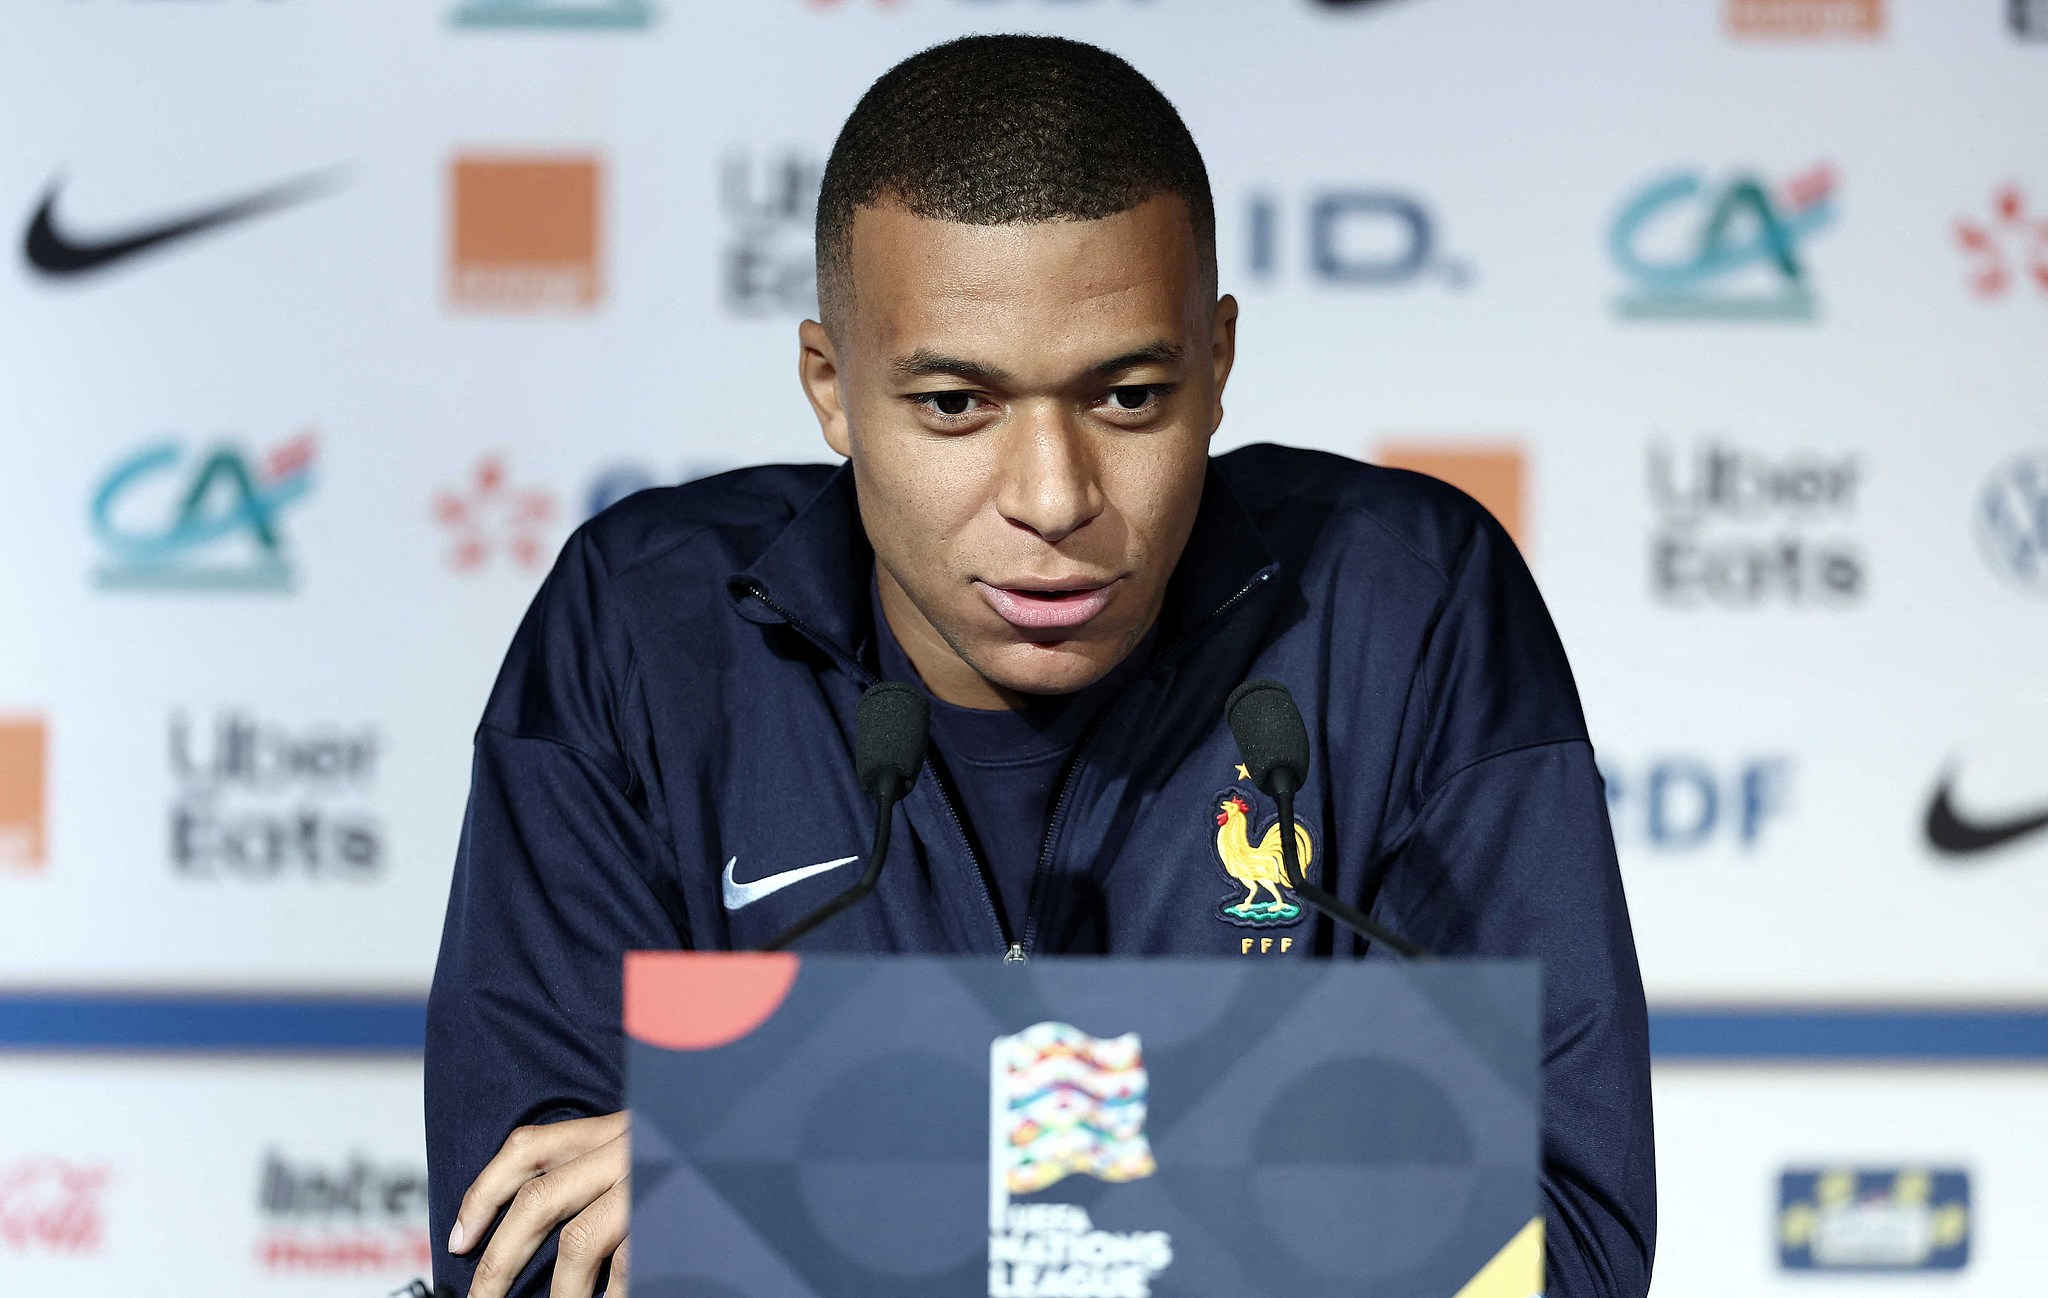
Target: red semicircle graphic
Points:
(684, 1000)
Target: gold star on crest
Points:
(1242, 773)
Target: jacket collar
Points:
(815, 574)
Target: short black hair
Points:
(995, 130)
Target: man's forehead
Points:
(927, 285)
(895, 249)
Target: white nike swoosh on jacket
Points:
(738, 895)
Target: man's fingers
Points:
(526, 1153)
(538, 1206)
(587, 1240)
(622, 1264)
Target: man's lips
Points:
(1030, 608)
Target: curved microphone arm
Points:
(888, 790)
(1285, 783)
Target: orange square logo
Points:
(524, 233)
(1494, 473)
(1805, 19)
(24, 798)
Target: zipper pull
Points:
(1015, 955)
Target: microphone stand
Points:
(888, 790)
(1285, 785)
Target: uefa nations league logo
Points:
(1064, 1103)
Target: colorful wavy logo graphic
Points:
(1070, 1104)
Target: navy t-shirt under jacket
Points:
(673, 729)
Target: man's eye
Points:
(947, 403)
(1133, 397)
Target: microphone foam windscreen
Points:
(1268, 729)
(889, 734)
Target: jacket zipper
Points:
(1013, 950)
(1022, 951)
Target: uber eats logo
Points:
(1739, 527)
(261, 800)
(771, 204)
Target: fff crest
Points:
(1248, 848)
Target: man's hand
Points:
(572, 1172)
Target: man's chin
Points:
(1050, 666)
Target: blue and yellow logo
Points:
(214, 527)
(1874, 1219)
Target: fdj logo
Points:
(1732, 252)
(170, 525)
(1681, 804)
(1357, 238)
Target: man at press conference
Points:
(1021, 355)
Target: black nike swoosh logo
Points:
(53, 251)
(1952, 835)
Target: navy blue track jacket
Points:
(681, 695)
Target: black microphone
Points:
(1274, 743)
(888, 751)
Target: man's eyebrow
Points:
(926, 363)
(1157, 353)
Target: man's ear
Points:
(817, 367)
(1222, 351)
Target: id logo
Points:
(1352, 238)
(169, 521)
(1874, 1219)
(1732, 249)
(1063, 1103)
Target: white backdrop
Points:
(234, 767)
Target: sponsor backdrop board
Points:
(322, 325)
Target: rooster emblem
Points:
(1258, 867)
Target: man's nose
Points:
(1050, 482)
